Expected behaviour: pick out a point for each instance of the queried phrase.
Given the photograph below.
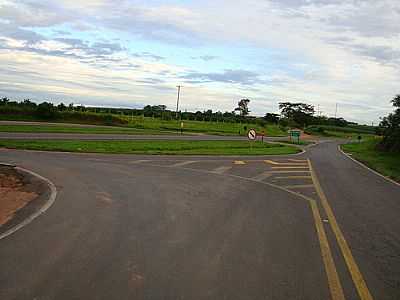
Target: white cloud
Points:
(338, 51)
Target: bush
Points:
(46, 110)
(390, 126)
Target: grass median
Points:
(76, 129)
(366, 152)
(154, 147)
(148, 126)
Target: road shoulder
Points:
(366, 167)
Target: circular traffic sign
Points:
(251, 134)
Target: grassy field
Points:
(301, 142)
(155, 147)
(140, 125)
(79, 129)
(350, 132)
(385, 163)
(219, 128)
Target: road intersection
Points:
(308, 226)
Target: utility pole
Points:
(336, 111)
(177, 100)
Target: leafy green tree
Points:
(46, 110)
(390, 128)
(243, 107)
(4, 101)
(28, 103)
(271, 118)
(297, 114)
(61, 107)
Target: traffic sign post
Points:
(251, 134)
(295, 133)
(262, 136)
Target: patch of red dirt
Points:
(12, 194)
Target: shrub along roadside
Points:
(390, 127)
(47, 112)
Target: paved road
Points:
(162, 227)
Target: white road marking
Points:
(139, 161)
(262, 176)
(183, 163)
(221, 170)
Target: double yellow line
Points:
(333, 278)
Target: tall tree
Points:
(299, 114)
(271, 118)
(243, 107)
(391, 128)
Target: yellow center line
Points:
(239, 162)
(305, 167)
(330, 268)
(293, 177)
(271, 162)
(333, 278)
(299, 186)
(355, 272)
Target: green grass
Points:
(347, 135)
(78, 129)
(341, 132)
(155, 147)
(153, 125)
(385, 163)
(217, 128)
(301, 142)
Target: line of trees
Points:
(28, 109)
(48, 111)
(291, 114)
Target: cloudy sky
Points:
(131, 53)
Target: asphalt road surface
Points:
(311, 226)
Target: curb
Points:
(44, 208)
(368, 168)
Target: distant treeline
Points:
(28, 110)
(292, 115)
